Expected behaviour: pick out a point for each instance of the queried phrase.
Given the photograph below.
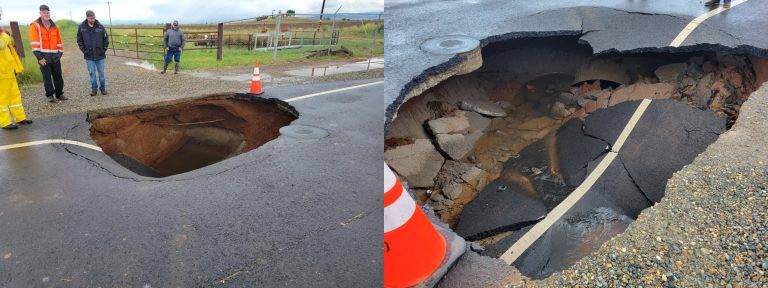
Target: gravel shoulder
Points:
(130, 85)
(710, 230)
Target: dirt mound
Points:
(342, 51)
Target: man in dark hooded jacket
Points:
(93, 41)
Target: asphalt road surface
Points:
(295, 212)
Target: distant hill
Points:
(350, 16)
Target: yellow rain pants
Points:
(10, 96)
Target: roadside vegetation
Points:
(365, 40)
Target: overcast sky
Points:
(186, 11)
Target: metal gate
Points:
(146, 43)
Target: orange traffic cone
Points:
(256, 81)
(413, 249)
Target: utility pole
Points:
(322, 8)
(277, 33)
(111, 37)
(333, 26)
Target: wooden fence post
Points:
(220, 40)
(136, 33)
(17, 38)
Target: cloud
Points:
(186, 11)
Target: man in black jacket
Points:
(93, 41)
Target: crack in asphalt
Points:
(584, 132)
(624, 166)
(688, 132)
(704, 24)
(648, 13)
(254, 268)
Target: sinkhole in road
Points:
(178, 136)
(493, 151)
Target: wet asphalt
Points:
(295, 212)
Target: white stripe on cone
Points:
(389, 179)
(399, 212)
(256, 78)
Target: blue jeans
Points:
(97, 67)
(174, 53)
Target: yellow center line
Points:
(517, 249)
(698, 20)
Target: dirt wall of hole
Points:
(178, 136)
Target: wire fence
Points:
(315, 35)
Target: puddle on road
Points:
(227, 76)
(494, 150)
(143, 64)
(375, 63)
(179, 136)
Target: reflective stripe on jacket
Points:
(44, 40)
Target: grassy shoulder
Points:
(240, 57)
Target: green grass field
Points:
(358, 39)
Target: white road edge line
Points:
(89, 146)
(332, 91)
(517, 249)
(49, 141)
(698, 20)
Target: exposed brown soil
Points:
(178, 136)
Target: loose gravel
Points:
(130, 85)
(711, 228)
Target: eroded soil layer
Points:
(178, 136)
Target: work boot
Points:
(52, 99)
(62, 97)
(93, 92)
(165, 67)
(25, 122)
(103, 91)
(712, 3)
(176, 68)
(11, 127)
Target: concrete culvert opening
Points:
(492, 152)
(179, 136)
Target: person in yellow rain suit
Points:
(11, 109)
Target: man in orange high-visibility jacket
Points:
(10, 96)
(45, 40)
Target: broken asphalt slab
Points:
(631, 183)
(681, 133)
(281, 215)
